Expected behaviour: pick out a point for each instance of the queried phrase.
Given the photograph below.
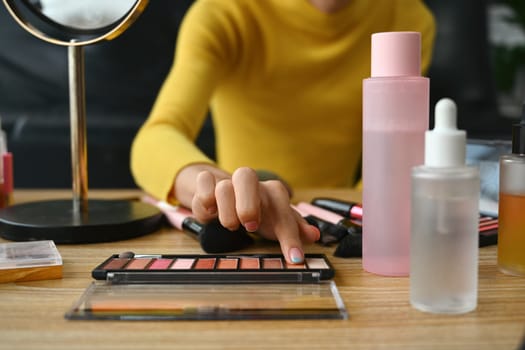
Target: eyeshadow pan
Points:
(205, 264)
(272, 263)
(137, 264)
(317, 263)
(250, 263)
(116, 264)
(182, 264)
(227, 263)
(295, 266)
(160, 264)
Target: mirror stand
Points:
(79, 220)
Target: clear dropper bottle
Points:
(444, 221)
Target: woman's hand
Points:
(244, 200)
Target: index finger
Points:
(283, 221)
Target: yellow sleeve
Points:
(165, 143)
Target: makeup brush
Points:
(330, 233)
(350, 246)
(212, 236)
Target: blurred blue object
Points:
(485, 154)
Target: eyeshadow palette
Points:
(132, 286)
(128, 268)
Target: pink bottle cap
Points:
(396, 54)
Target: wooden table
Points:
(32, 313)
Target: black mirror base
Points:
(103, 221)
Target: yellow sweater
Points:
(283, 81)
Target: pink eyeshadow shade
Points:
(160, 264)
(205, 264)
(227, 264)
(116, 264)
(137, 264)
(272, 263)
(250, 263)
(182, 264)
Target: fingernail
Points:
(296, 255)
(251, 226)
(318, 233)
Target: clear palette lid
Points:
(208, 302)
(29, 254)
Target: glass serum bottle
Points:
(444, 221)
(511, 233)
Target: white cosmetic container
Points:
(444, 221)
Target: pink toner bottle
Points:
(395, 118)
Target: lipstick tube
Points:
(351, 210)
(327, 215)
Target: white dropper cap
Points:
(445, 145)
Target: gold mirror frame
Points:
(119, 28)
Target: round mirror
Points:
(75, 22)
